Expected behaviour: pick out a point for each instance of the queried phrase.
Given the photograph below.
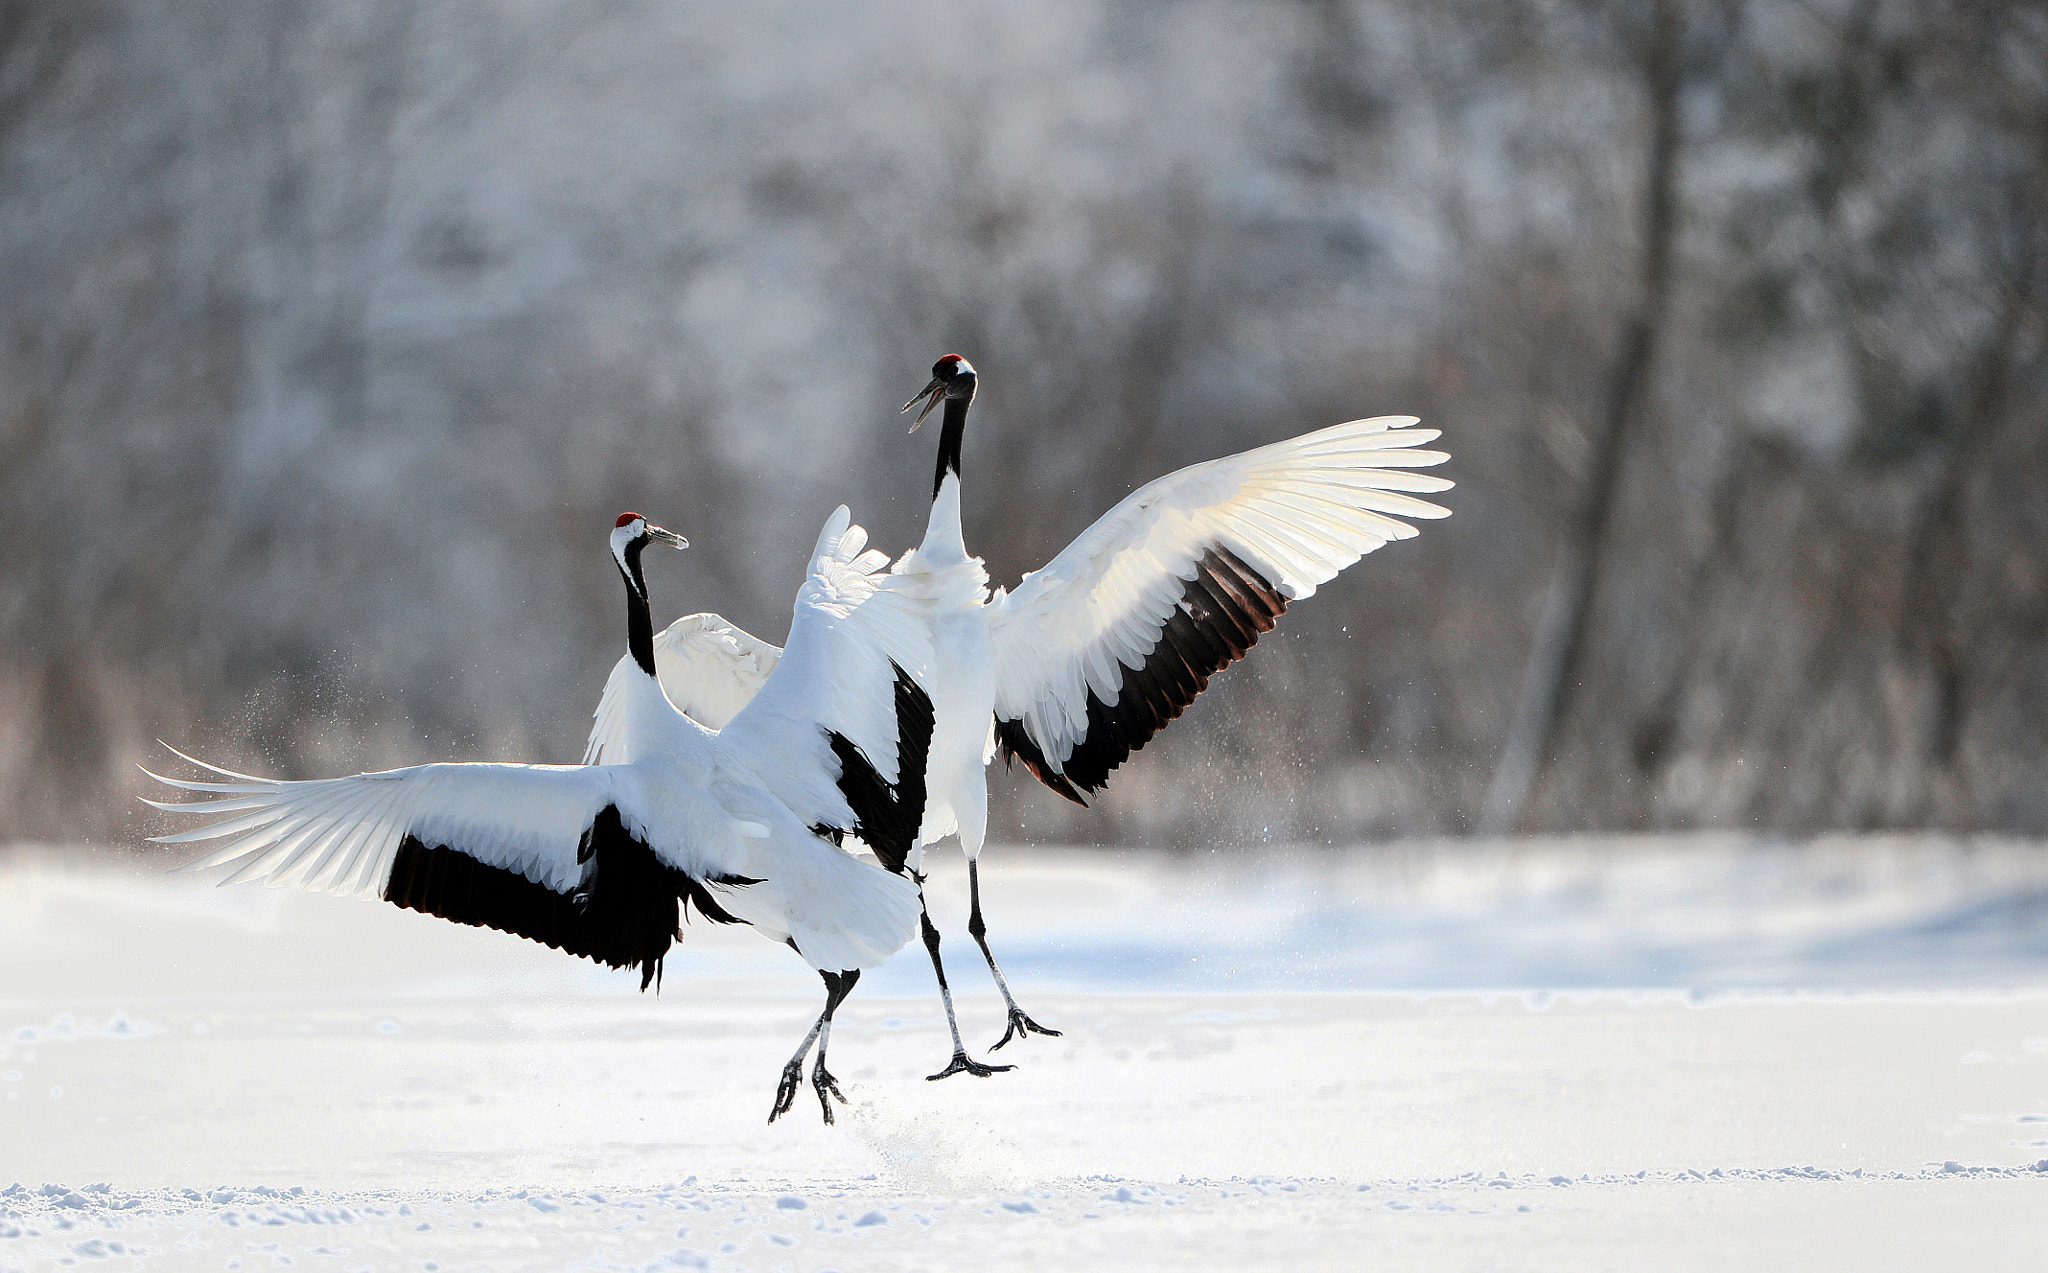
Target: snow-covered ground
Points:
(1689, 1053)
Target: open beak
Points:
(929, 395)
(660, 536)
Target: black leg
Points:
(1020, 1022)
(959, 1064)
(836, 987)
(821, 1079)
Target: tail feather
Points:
(840, 912)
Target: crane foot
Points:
(1020, 1025)
(961, 1065)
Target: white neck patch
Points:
(623, 535)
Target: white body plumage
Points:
(941, 574)
(733, 811)
(1094, 653)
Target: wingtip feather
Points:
(225, 773)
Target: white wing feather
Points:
(341, 835)
(1297, 511)
(709, 669)
(852, 621)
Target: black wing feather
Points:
(1219, 616)
(624, 916)
(888, 817)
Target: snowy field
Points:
(1676, 1054)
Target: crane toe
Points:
(962, 1065)
(785, 1092)
(822, 1080)
(1021, 1024)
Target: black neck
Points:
(951, 428)
(639, 623)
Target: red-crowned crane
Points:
(1094, 653)
(1098, 649)
(602, 861)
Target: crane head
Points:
(952, 377)
(632, 531)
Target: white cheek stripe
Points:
(623, 535)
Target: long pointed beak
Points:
(660, 536)
(929, 395)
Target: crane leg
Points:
(837, 986)
(821, 1078)
(960, 1063)
(1020, 1021)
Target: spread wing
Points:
(708, 668)
(842, 725)
(1098, 650)
(557, 854)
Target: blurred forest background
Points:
(333, 336)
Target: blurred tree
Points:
(1559, 658)
(332, 337)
